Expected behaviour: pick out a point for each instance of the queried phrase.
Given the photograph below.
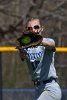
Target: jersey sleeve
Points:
(48, 39)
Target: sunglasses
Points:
(35, 27)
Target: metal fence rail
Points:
(13, 49)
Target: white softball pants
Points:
(50, 91)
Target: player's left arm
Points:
(48, 43)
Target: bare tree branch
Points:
(59, 5)
(47, 13)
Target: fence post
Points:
(0, 76)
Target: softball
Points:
(26, 40)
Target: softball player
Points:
(40, 60)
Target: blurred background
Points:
(13, 17)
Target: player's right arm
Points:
(22, 52)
